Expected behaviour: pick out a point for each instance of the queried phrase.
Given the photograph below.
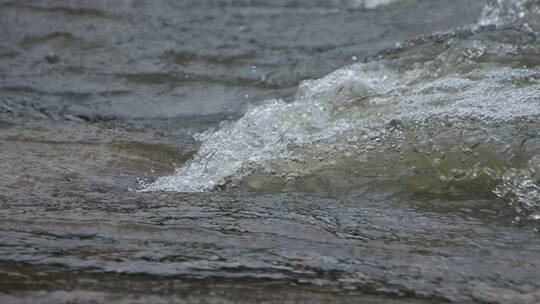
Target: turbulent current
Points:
(452, 112)
(195, 152)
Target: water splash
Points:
(520, 187)
(501, 12)
(436, 114)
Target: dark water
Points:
(409, 176)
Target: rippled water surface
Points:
(270, 151)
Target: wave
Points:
(450, 113)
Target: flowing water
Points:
(210, 152)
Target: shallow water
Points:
(179, 152)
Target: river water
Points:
(255, 151)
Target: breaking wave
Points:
(455, 112)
